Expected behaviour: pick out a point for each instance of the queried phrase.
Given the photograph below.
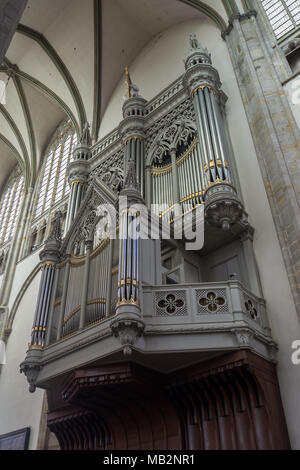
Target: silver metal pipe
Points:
(164, 199)
(44, 316)
(179, 169)
(197, 173)
(175, 176)
(77, 202)
(70, 207)
(205, 122)
(219, 128)
(172, 201)
(142, 166)
(109, 278)
(194, 172)
(184, 186)
(158, 190)
(148, 187)
(191, 176)
(85, 288)
(129, 257)
(212, 123)
(63, 301)
(201, 131)
(187, 178)
(138, 160)
(51, 309)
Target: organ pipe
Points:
(128, 277)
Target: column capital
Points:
(239, 17)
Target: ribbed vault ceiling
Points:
(66, 59)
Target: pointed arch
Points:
(208, 11)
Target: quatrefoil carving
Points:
(251, 309)
(212, 302)
(171, 304)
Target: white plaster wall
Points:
(19, 408)
(156, 67)
(292, 89)
(23, 270)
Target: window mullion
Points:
(9, 211)
(287, 9)
(57, 172)
(48, 179)
(17, 205)
(68, 162)
(5, 212)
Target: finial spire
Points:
(128, 82)
(132, 90)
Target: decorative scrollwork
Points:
(177, 134)
(185, 110)
(111, 171)
(114, 178)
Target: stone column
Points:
(276, 136)
(202, 81)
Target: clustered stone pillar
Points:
(49, 257)
(202, 81)
(78, 176)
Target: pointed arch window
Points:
(10, 203)
(53, 181)
(284, 15)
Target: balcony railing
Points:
(204, 303)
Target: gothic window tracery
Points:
(10, 203)
(284, 15)
(53, 182)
